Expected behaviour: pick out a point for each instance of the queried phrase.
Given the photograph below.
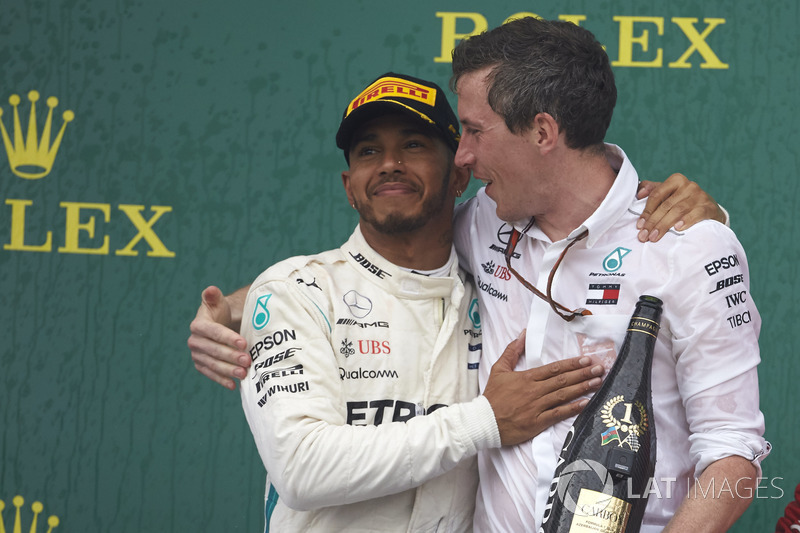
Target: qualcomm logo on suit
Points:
(31, 156)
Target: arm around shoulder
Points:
(217, 349)
(715, 327)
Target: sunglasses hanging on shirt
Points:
(562, 311)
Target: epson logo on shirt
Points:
(722, 263)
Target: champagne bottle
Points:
(605, 469)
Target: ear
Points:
(545, 132)
(347, 189)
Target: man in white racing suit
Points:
(535, 99)
(362, 394)
(346, 333)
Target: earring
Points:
(459, 192)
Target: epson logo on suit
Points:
(270, 341)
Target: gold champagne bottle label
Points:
(599, 513)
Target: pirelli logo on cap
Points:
(394, 87)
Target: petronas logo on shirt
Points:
(474, 314)
(261, 313)
(613, 261)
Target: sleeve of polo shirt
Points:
(295, 407)
(715, 329)
(463, 222)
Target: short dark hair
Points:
(544, 66)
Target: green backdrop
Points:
(202, 150)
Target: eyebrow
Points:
(406, 132)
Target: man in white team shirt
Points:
(535, 99)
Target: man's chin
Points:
(398, 223)
(510, 218)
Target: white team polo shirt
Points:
(705, 385)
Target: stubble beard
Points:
(398, 223)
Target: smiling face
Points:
(502, 160)
(401, 176)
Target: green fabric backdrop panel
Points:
(198, 148)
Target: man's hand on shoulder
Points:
(529, 401)
(218, 352)
(677, 202)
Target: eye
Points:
(365, 150)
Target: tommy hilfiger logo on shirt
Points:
(603, 294)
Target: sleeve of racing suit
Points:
(294, 403)
(716, 346)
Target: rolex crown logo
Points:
(36, 507)
(33, 157)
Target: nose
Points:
(391, 162)
(464, 157)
